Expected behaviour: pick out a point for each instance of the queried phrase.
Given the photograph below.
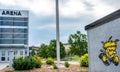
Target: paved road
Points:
(3, 65)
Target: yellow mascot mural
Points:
(108, 55)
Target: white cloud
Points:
(75, 8)
(72, 8)
(69, 8)
(42, 7)
(101, 8)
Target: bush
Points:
(38, 61)
(84, 60)
(23, 63)
(66, 64)
(9, 71)
(50, 61)
(55, 66)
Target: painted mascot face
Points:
(110, 49)
(108, 55)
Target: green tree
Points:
(33, 52)
(78, 43)
(52, 49)
(43, 51)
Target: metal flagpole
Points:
(57, 33)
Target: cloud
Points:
(93, 8)
(42, 7)
(68, 8)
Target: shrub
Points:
(50, 61)
(55, 66)
(38, 61)
(23, 63)
(9, 71)
(84, 60)
(66, 64)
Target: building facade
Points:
(13, 33)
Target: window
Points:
(7, 23)
(7, 18)
(3, 53)
(20, 19)
(21, 52)
(6, 30)
(20, 23)
(18, 41)
(6, 41)
(18, 35)
(20, 30)
(6, 35)
(15, 53)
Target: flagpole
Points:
(57, 33)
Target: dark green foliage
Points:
(50, 50)
(23, 63)
(84, 60)
(50, 61)
(66, 64)
(78, 43)
(33, 52)
(43, 51)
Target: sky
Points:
(74, 15)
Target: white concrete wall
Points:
(95, 36)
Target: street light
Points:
(57, 33)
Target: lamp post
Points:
(57, 33)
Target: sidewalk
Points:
(3, 65)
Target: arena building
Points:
(13, 33)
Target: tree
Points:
(78, 43)
(33, 52)
(52, 49)
(43, 51)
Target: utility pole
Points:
(57, 33)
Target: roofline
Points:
(104, 20)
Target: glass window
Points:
(7, 30)
(20, 19)
(0, 22)
(6, 41)
(20, 23)
(18, 41)
(6, 35)
(3, 53)
(26, 30)
(7, 18)
(21, 52)
(15, 53)
(2, 58)
(7, 23)
(25, 41)
(20, 30)
(25, 35)
(18, 35)
(7, 58)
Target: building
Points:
(104, 43)
(67, 47)
(34, 48)
(13, 33)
